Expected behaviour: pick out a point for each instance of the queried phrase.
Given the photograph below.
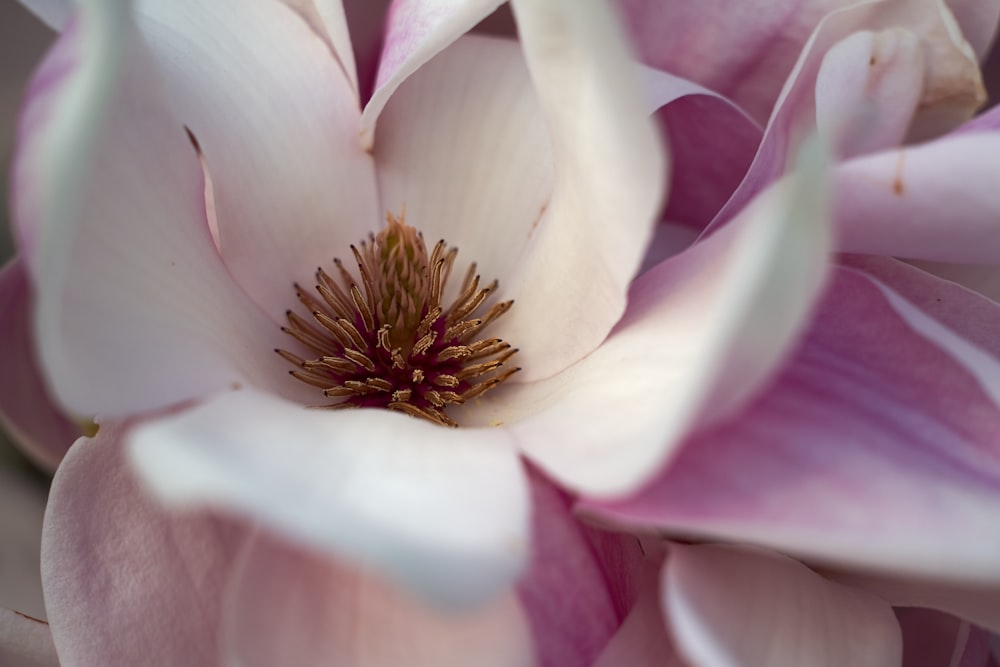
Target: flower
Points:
(173, 186)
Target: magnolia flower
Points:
(179, 180)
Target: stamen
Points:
(387, 341)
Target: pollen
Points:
(383, 338)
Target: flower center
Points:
(387, 341)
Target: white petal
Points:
(443, 511)
(610, 176)
(740, 608)
(703, 331)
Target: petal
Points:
(328, 19)
(22, 504)
(571, 282)
(443, 511)
(416, 31)
(127, 583)
(579, 583)
(287, 607)
(951, 88)
(935, 201)
(25, 641)
(439, 138)
(712, 322)
(292, 185)
(738, 607)
(958, 322)
(742, 50)
(134, 308)
(712, 142)
(28, 412)
(978, 20)
(642, 640)
(867, 90)
(872, 450)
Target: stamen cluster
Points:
(387, 341)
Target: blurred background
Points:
(23, 41)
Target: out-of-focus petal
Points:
(25, 641)
(867, 90)
(642, 640)
(703, 331)
(276, 119)
(287, 607)
(127, 583)
(134, 308)
(978, 22)
(930, 637)
(22, 505)
(951, 89)
(463, 150)
(416, 31)
(712, 142)
(609, 177)
(936, 201)
(873, 449)
(444, 511)
(27, 410)
(579, 583)
(732, 607)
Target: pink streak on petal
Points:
(642, 640)
(27, 410)
(873, 449)
(126, 582)
(416, 31)
(579, 584)
(291, 607)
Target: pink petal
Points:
(905, 202)
(743, 50)
(127, 583)
(571, 281)
(444, 511)
(22, 504)
(642, 640)
(134, 309)
(978, 20)
(960, 323)
(287, 607)
(25, 641)
(704, 329)
(27, 410)
(712, 142)
(416, 31)
(277, 120)
(580, 583)
(873, 449)
(951, 88)
(437, 155)
(737, 607)
(932, 639)
(328, 19)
